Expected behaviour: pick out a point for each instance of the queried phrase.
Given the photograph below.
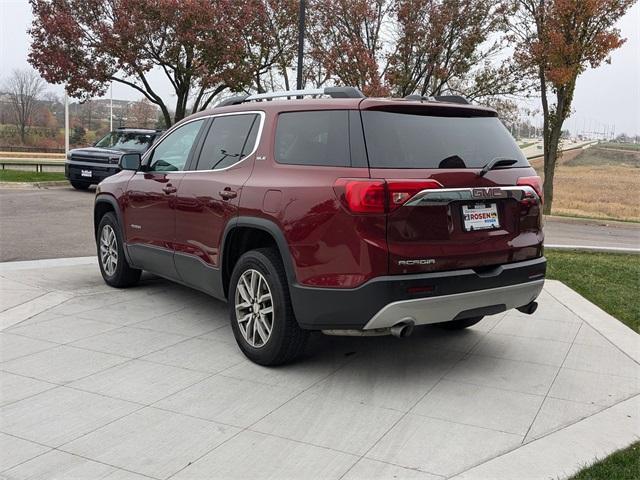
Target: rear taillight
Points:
(361, 196)
(378, 196)
(534, 182)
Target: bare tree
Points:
(23, 89)
(142, 114)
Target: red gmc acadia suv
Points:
(346, 214)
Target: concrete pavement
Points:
(148, 383)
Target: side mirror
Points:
(130, 161)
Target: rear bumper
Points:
(385, 301)
(99, 171)
(423, 311)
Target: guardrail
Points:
(8, 148)
(39, 164)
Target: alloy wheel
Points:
(254, 308)
(108, 250)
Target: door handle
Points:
(169, 189)
(228, 194)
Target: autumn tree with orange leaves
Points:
(346, 40)
(202, 47)
(557, 40)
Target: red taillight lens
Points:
(401, 191)
(378, 196)
(533, 182)
(361, 196)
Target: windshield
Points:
(402, 140)
(129, 141)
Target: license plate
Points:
(86, 173)
(480, 217)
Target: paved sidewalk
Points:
(148, 383)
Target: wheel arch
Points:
(104, 204)
(248, 233)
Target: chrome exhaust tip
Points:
(402, 329)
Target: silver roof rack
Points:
(439, 98)
(333, 92)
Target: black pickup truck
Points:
(90, 165)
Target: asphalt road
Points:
(57, 223)
(46, 223)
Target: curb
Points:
(594, 248)
(591, 221)
(35, 185)
(12, 266)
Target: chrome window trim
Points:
(443, 196)
(149, 152)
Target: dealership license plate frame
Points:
(473, 225)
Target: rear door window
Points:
(229, 140)
(403, 140)
(318, 137)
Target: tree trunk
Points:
(550, 158)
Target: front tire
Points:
(261, 313)
(113, 264)
(459, 324)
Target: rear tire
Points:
(260, 310)
(80, 185)
(113, 264)
(459, 324)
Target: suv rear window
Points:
(403, 140)
(319, 137)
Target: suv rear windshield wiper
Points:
(496, 162)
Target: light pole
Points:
(111, 110)
(66, 123)
(300, 43)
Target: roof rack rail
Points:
(235, 100)
(439, 98)
(333, 92)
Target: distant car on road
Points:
(89, 166)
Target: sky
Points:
(605, 98)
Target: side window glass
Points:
(228, 140)
(313, 138)
(171, 155)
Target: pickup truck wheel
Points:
(113, 264)
(80, 185)
(261, 314)
(459, 324)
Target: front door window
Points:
(172, 153)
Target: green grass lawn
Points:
(621, 465)
(610, 280)
(25, 176)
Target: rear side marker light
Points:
(534, 182)
(425, 289)
(378, 196)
